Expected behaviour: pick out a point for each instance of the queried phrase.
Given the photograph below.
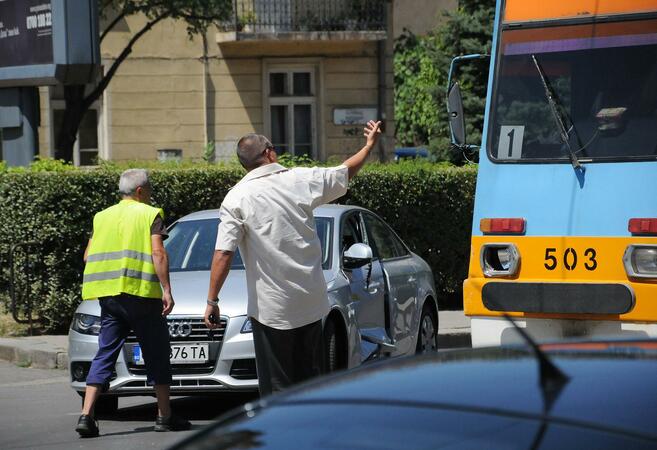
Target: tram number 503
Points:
(570, 259)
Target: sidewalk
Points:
(41, 352)
(50, 352)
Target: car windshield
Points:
(190, 245)
(604, 80)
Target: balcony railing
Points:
(290, 16)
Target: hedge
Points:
(430, 206)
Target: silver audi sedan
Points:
(382, 297)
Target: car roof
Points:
(603, 385)
(330, 210)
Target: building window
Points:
(88, 145)
(291, 110)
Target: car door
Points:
(401, 281)
(367, 289)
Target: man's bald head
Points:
(251, 150)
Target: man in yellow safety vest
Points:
(127, 270)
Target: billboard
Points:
(25, 33)
(48, 41)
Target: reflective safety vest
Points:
(120, 257)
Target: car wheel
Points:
(330, 347)
(106, 404)
(427, 339)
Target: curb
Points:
(454, 340)
(35, 358)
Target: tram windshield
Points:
(603, 78)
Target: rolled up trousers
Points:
(120, 314)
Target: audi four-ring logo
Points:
(180, 329)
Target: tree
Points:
(421, 69)
(198, 14)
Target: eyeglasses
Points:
(269, 147)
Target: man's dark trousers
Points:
(120, 314)
(287, 357)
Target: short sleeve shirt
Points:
(269, 216)
(158, 228)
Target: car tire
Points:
(106, 404)
(330, 347)
(427, 338)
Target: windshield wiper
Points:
(554, 107)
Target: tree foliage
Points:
(197, 14)
(421, 67)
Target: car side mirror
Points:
(456, 120)
(357, 256)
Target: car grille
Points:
(176, 383)
(194, 331)
(198, 331)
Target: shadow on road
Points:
(193, 408)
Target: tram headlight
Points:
(505, 256)
(499, 260)
(641, 261)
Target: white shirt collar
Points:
(263, 171)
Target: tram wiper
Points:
(554, 107)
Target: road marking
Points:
(35, 382)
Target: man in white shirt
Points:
(268, 214)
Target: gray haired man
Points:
(127, 270)
(269, 216)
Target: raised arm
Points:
(354, 163)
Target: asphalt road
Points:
(38, 410)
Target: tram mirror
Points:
(456, 120)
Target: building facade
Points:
(307, 74)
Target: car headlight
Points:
(641, 261)
(247, 327)
(86, 324)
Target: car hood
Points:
(190, 292)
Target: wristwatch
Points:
(214, 302)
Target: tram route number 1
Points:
(570, 259)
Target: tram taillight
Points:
(502, 226)
(644, 226)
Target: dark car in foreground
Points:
(483, 398)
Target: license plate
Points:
(179, 354)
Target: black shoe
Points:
(87, 426)
(172, 423)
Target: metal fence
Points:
(26, 280)
(275, 16)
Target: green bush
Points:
(429, 205)
(421, 66)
